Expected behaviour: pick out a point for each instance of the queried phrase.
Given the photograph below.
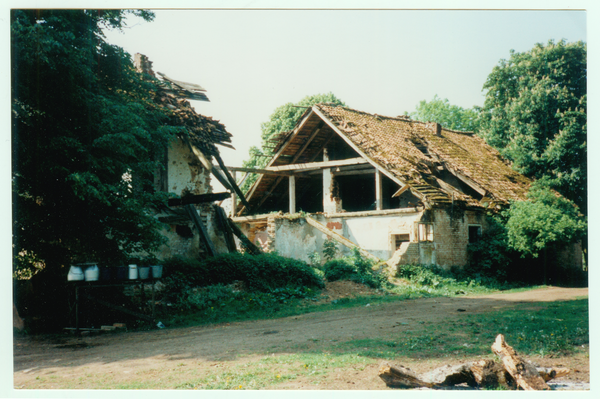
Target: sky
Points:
(252, 61)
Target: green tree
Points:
(448, 115)
(535, 114)
(546, 219)
(282, 120)
(85, 129)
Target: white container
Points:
(133, 272)
(143, 272)
(75, 274)
(92, 273)
(157, 271)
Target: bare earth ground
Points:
(170, 356)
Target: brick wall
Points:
(451, 235)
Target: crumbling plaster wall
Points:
(186, 175)
(295, 238)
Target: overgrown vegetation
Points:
(354, 268)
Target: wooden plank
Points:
(339, 238)
(318, 165)
(401, 191)
(198, 199)
(253, 249)
(234, 195)
(232, 181)
(223, 223)
(257, 171)
(287, 142)
(355, 147)
(191, 210)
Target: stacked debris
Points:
(514, 373)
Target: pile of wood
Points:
(514, 373)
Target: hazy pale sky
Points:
(380, 61)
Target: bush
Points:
(263, 272)
(353, 268)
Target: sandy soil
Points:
(46, 362)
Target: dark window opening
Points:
(474, 234)
(184, 231)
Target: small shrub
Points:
(330, 249)
(353, 268)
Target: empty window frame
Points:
(474, 233)
(426, 232)
(398, 239)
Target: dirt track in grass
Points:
(169, 357)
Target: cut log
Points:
(401, 377)
(489, 374)
(524, 373)
(447, 376)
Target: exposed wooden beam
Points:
(468, 181)
(193, 214)
(318, 165)
(232, 181)
(401, 191)
(356, 148)
(198, 199)
(257, 171)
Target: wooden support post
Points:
(378, 189)
(233, 197)
(226, 229)
(292, 193)
(191, 210)
(253, 249)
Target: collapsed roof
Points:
(437, 165)
(202, 131)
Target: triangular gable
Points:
(438, 166)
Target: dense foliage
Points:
(448, 115)
(535, 114)
(283, 119)
(263, 272)
(354, 268)
(85, 129)
(546, 219)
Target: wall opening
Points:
(474, 233)
(398, 239)
(425, 232)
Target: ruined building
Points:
(197, 224)
(400, 190)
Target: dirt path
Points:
(136, 355)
